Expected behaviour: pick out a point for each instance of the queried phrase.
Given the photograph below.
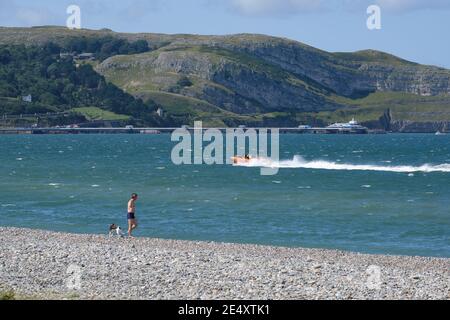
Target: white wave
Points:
(299, 162)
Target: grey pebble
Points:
(37, 264)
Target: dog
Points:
(115, 229)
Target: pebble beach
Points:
(39, 264)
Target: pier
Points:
(170, 130)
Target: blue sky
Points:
(416, 30)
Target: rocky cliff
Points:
(251, 73)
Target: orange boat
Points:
(239, 160)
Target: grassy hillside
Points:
(95, 114)
(403, 106)
(231, 80)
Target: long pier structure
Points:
(170, 130)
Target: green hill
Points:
(256, 79)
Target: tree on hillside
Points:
(184, 82)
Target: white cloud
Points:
(410, 5)
(277, 7)
(264, 7)
(13, 13)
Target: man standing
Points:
(132, 223)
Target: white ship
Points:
(352, 125)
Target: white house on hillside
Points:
(27, 98)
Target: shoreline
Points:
(53, 265)
(159, 131)
(205, 241)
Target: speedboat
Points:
(240, 160)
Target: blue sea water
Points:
(386, 194)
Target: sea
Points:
(380, 194)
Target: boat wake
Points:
(299, 162)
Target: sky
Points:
(416, 30)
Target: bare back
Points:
(132, 206)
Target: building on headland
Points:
(85, 56)
(64, 55)
(82, 56)
(27, 98)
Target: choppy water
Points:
(378, 194)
